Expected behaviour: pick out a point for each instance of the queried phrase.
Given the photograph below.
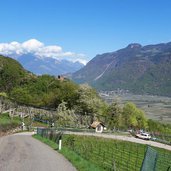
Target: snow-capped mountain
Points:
(48, 65)
(40, 59)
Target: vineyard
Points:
(110, 154)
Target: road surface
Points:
(21, 152)
(124, 138)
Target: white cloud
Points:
(32, 45)
(49, 51)
(37, 48)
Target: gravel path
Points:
(21, 152)
(124, 138)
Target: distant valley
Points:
(136, 68)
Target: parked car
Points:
(143, 135)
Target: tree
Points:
(114, 116)
(141, 119)
(133, 117)
(64, 116)
(89, 103)
(21, 95)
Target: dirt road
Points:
(124, 138)
(21, 152)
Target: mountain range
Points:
(48, 65)
(139, 69)
(40, 59)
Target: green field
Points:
(107, 154)
(114, 154)
(156, 107)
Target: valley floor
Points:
(156, 107)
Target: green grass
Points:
(7, 123)
(28, 121)
(39, 124)
(109, 154)
(46, 141)
(80, 163)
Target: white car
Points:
(143, 135)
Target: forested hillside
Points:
(74, 105)
(139, 69)
(12, 74)
(27, 88)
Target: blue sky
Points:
(87, 27)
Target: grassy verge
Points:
(7, 123)
(80, 163)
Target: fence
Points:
(149, 162)
(51, 134)
(108, 154)
(111, 154)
